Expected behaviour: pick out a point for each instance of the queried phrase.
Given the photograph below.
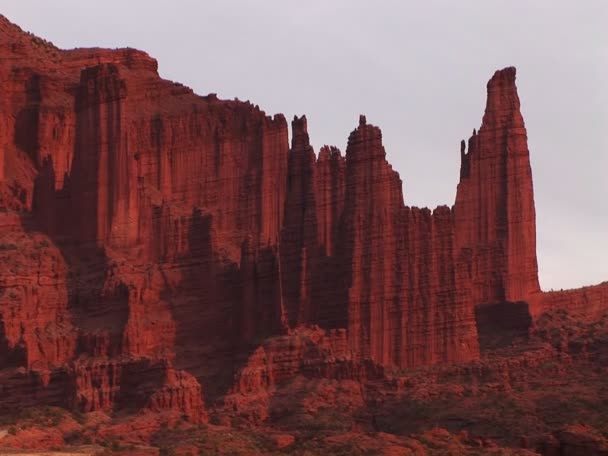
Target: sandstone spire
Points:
(494, 211)
(299, 226)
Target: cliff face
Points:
(146, 150)
(35, 324)
(404, 305)
(354, 256)
(164, 236)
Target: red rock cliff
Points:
(405, 306)
(163, 235)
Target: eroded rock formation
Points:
(156, 244)
(494, 210)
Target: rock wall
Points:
(589, 302)
(35, 325)
(181, 231)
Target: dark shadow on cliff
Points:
(501, 324)
(202, 306)
(26, 124)
(99, 313)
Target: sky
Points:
(417, 69)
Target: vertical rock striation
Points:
(158, 238)
(494, 210)
(372, 220)
(299, 235)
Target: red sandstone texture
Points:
(494, 210)
(169, 252)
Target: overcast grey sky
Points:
(417, 69)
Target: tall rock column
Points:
(494, 211)
(329, 192)
(104, 181)
(372, 218)
(299, 234)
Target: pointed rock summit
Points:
(494, 210)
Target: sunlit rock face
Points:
(156, 244)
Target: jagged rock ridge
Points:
(161, 237)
